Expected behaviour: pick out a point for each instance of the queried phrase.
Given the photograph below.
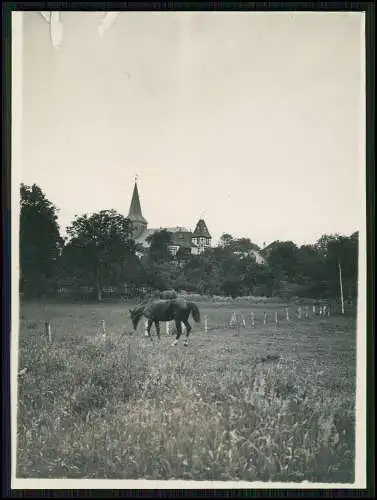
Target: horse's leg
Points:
(150, 323)
(188, 330)
(179, 331)
(157, 323)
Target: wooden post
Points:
(306, 312)
(299, 310)
(320, 310)
(103, 327)
(324, 310)
(48, 332)
(328, 310)
(276, 319)
(313, 308)
(243, 320)
(287, 313)
(264, 318)
(206, 324)
(237, 327)
(341, 287)
(233, 319)
(146, 328)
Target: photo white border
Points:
(16, 159)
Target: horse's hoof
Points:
(185, 344)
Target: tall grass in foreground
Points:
(125, 409)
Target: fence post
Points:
(48, 332)
(287, 313)
(233, 319)
(243, 320)
(264, 318)
(206, 324)
(306, 312)
(299, 310)
(252, 319)
(276, 319)
(237, 326)
(103, 327)
(314, 309)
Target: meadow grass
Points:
(258, 404)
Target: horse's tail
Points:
(195, 311)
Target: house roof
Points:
(134, 214)
(201, 230)
(142, 239)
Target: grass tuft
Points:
(261, 406)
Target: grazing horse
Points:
(166, 310)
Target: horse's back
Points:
(157, 306)
(168, 294)
(160, 307)
(165, 294)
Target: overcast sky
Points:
(252, 118)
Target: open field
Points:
(264, 404)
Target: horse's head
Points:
(135, 317)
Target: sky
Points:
(251, 120)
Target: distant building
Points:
(201, 236)
(193, 242)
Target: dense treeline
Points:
(99, 252)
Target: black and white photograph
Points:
(188, 249)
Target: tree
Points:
(283, 260)
(161, 275)
(340, 250)
(100, 249)
(311, 272)
(159, 245)
(40, 240)
(226, 239)
(183, 254)
(242, 245)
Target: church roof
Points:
(201, 230)
(177, 229)
(134, 213)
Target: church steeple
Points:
(135, 216)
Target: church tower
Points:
(201, 236)
(138, 223)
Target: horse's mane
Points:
(155, 296)
(140, 308)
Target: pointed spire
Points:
(201, 230)
(134, 213)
